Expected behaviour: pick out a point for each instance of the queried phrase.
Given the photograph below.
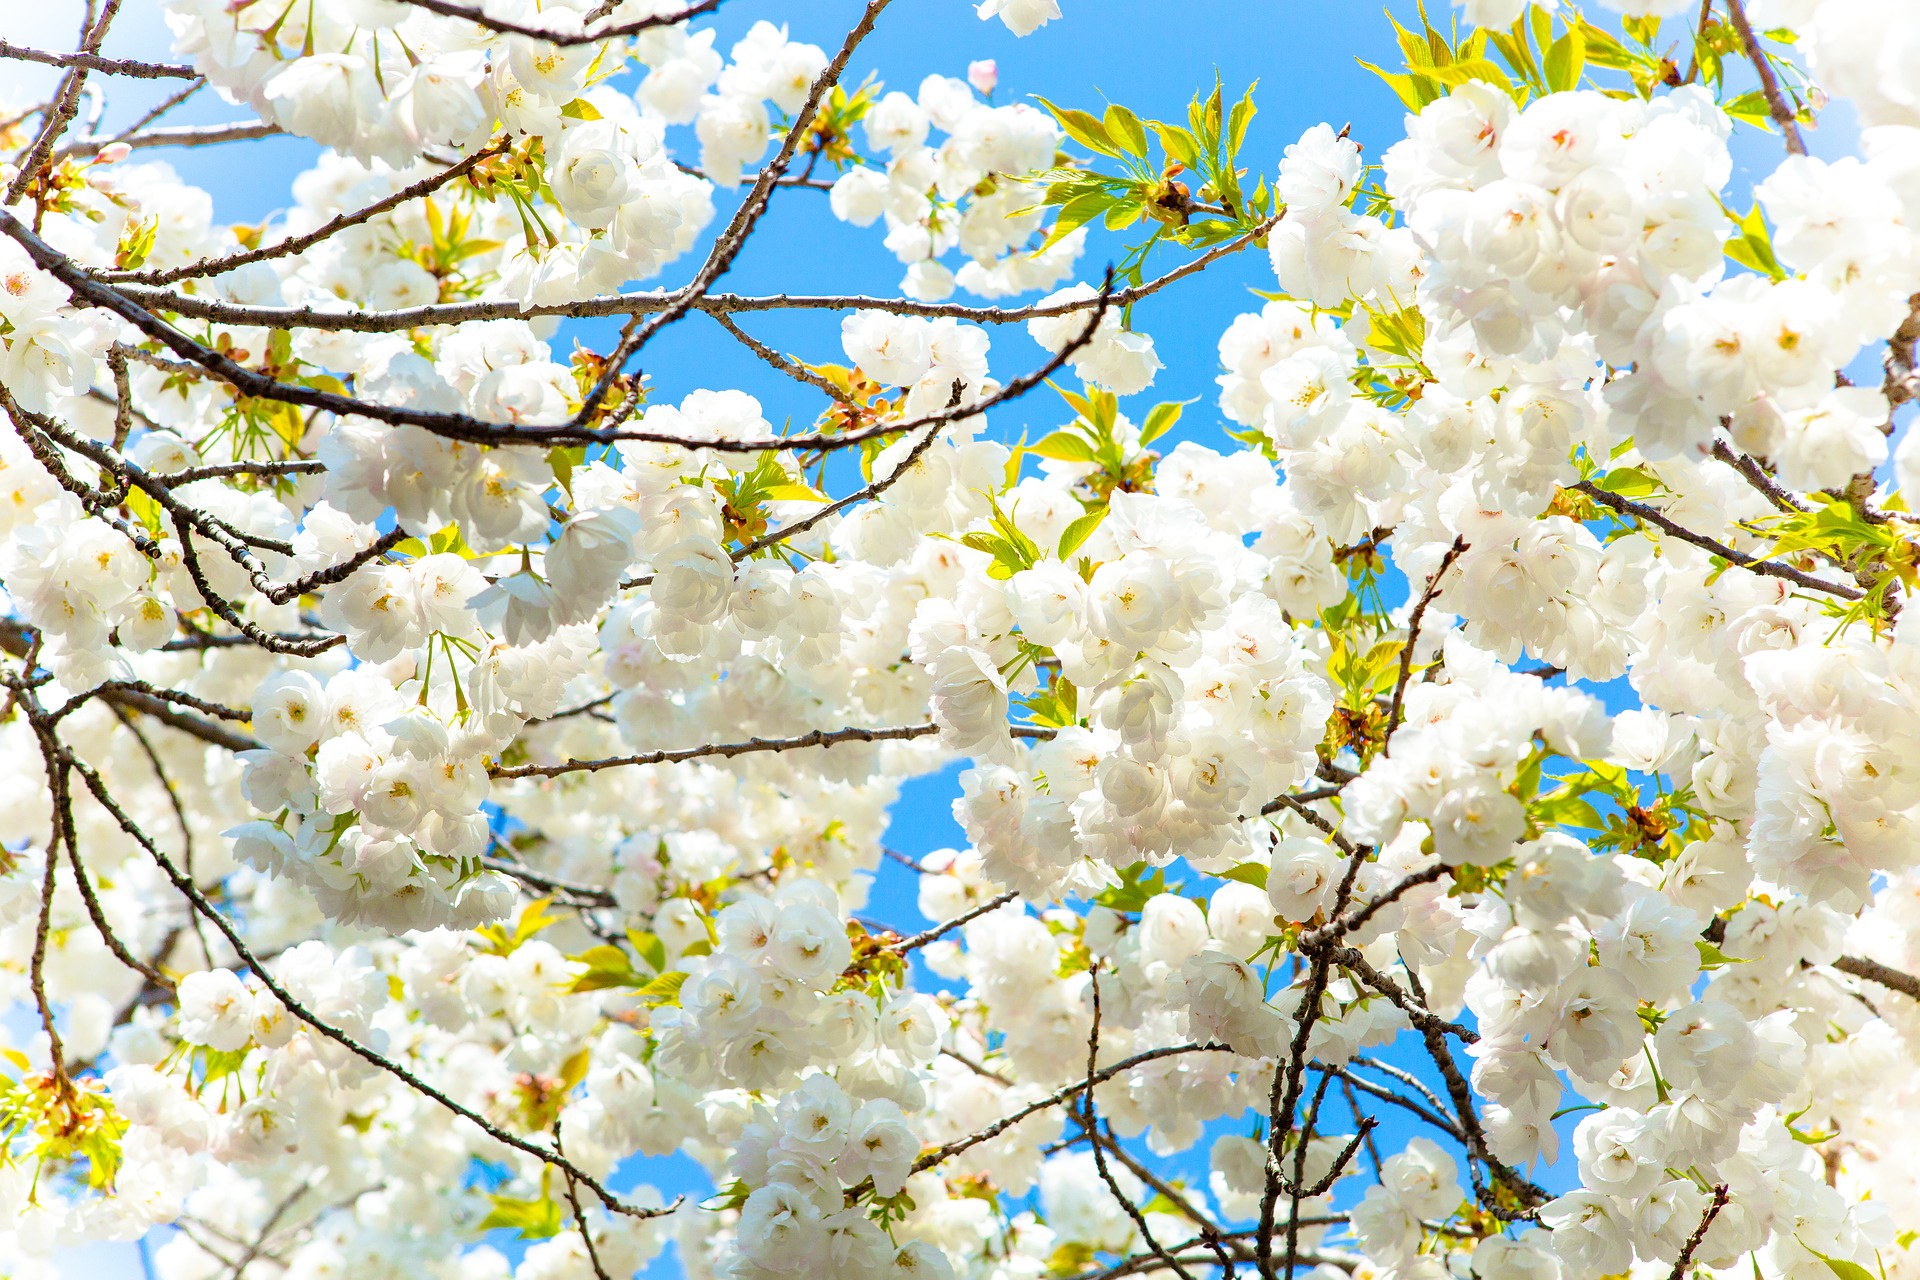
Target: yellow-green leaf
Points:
(1712, 957)
(664, 989)
(533, 1219)
(1178, 143)
(649, 948)
(1239, 118)
(1084, 128)
(1841, 1267)
(1414, 95)
(1161, 419)
(1124, 128)
(1076, 533)
(1247, 873)
(1063, 446)
(794, 493)
(1565, 61)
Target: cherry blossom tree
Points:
(1460, 822)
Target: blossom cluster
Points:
(446, 774)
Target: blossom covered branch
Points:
(1444, 807)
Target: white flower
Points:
(1318, 173)
(287, 712)
(891, 349)
(216, 1010)
(1023, 17)
(45, 360)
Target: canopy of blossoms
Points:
(1462, 822)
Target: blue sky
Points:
(1149, 54)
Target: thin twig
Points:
(1693, 1243)
(333, 226)
(1414, 618)
(939, 931)
(439, 313)
(478, 15)
(1752, 564)
(817, 738)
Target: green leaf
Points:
(664, 989)
(1752, 247)
(574, 1069)
(1566, 811)
(1518, 52)
(533, 1219)
(137, 240)
(534, 917)
(1814, 1139)
(1075, 401)
(147, 511)
(1056, 706)
(1630, 482)
(1070, 1258)
(1526, 783)
(221, 1063)
(1602, 50)
(604, 980)
(1247, 873)
(1712, 957)
(1079, 531)
(1239, 118)
(1077, 212)
(449, 540)
(561, 459)
(607, 966)
(580, 109)
(1645, 30)
(1539, 21)
(791, 492)
(1750, 107)
(1160, 419)
(1124, 128)
(649, 948)
(1420, 51)
(1565, 61)
(1206, 120)
(1178, 143)
(1412, 94)
(1083, 128)
(1841, 1267)
(1063, 446)
(1473, 69)
(1137, 884)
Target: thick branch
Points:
(1873, 971)
(94, 62)
(1777, 107)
